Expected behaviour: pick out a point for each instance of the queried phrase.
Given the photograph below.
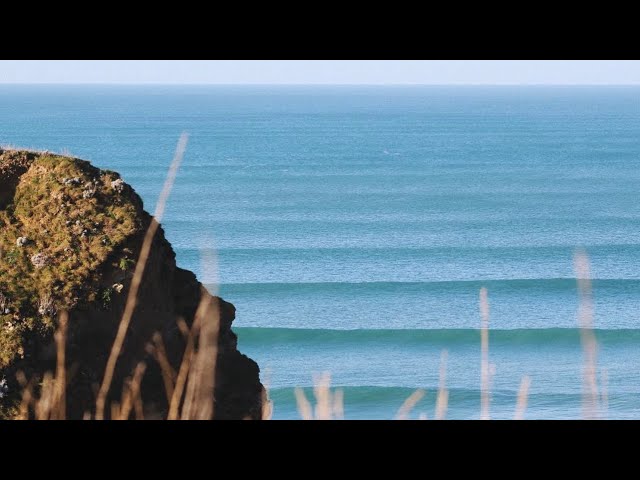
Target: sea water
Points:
(353, 228)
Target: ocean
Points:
(353, 227)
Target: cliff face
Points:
(70, 235)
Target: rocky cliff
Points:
(70, 235)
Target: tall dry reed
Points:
(132, 298)
(442, 400)
(523, 394)
(484, 355)
(329, 405)
(409, 404)
(587, 336)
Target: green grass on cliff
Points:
(75, 222)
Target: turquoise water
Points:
(353, 227)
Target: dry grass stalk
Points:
(131, 394)
(408, 405)
(138, 407)
(200, 391)
(132, 297)
(267, 403)
(184, 328)
(323, 396)
(329, 406)
(115, 410)
(338, 404)
(44, 404)
(442, 400)
(190, 390)
(51, 403)
(199, 403)
(168, 373)
(209, 264)
(185, 365)
(304, 407)
(523, 394)
(484, 355)
(589, 344)
(60, 410)
(267, 406)
(125, 410)
(604, 382)
(27, 396)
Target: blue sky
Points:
(380, 72)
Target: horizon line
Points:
(244, 84)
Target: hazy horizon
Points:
(462, 85)
(322, 72)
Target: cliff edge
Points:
(70, 235)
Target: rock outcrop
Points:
(70, 235)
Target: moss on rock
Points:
(70, 222)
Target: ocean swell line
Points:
(428, 337)
(502, 284)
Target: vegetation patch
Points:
(64, 223)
